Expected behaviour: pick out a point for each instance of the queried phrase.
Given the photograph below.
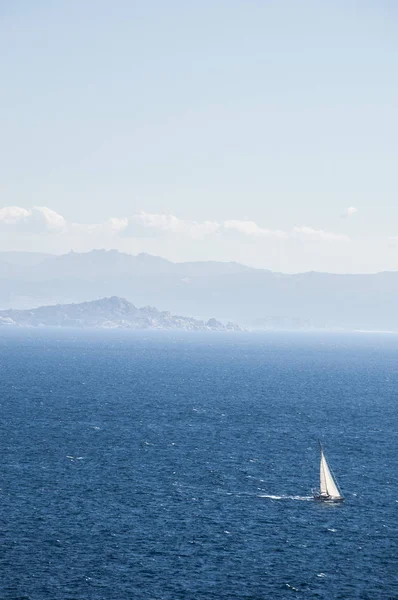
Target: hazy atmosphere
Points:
(257, 132)
(198, 300)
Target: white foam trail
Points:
(271, 497)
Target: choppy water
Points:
(181, 467)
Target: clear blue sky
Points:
(281, 113)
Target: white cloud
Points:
(117, 225)
(41, 219)
(148, 223)
(167, 223)
(309, 233)
(12, 215)
(349, 212)
(48, 219)
(37, 220)
(252, 229)
(113, 226)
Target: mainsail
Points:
(328, 485)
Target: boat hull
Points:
(329, 499)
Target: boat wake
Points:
(271, 497)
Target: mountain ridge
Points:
(25, 258)
(230, 291)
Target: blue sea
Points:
(180, 466)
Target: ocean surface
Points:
(180, 466)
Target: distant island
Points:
(255, 298)
(110, 313)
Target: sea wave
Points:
(285, 497)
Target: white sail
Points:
(328, 485)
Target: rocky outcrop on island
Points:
(108, 313)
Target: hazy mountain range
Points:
(227, 291)
(109, 313)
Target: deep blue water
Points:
(137, 466)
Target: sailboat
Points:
(328, 489)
